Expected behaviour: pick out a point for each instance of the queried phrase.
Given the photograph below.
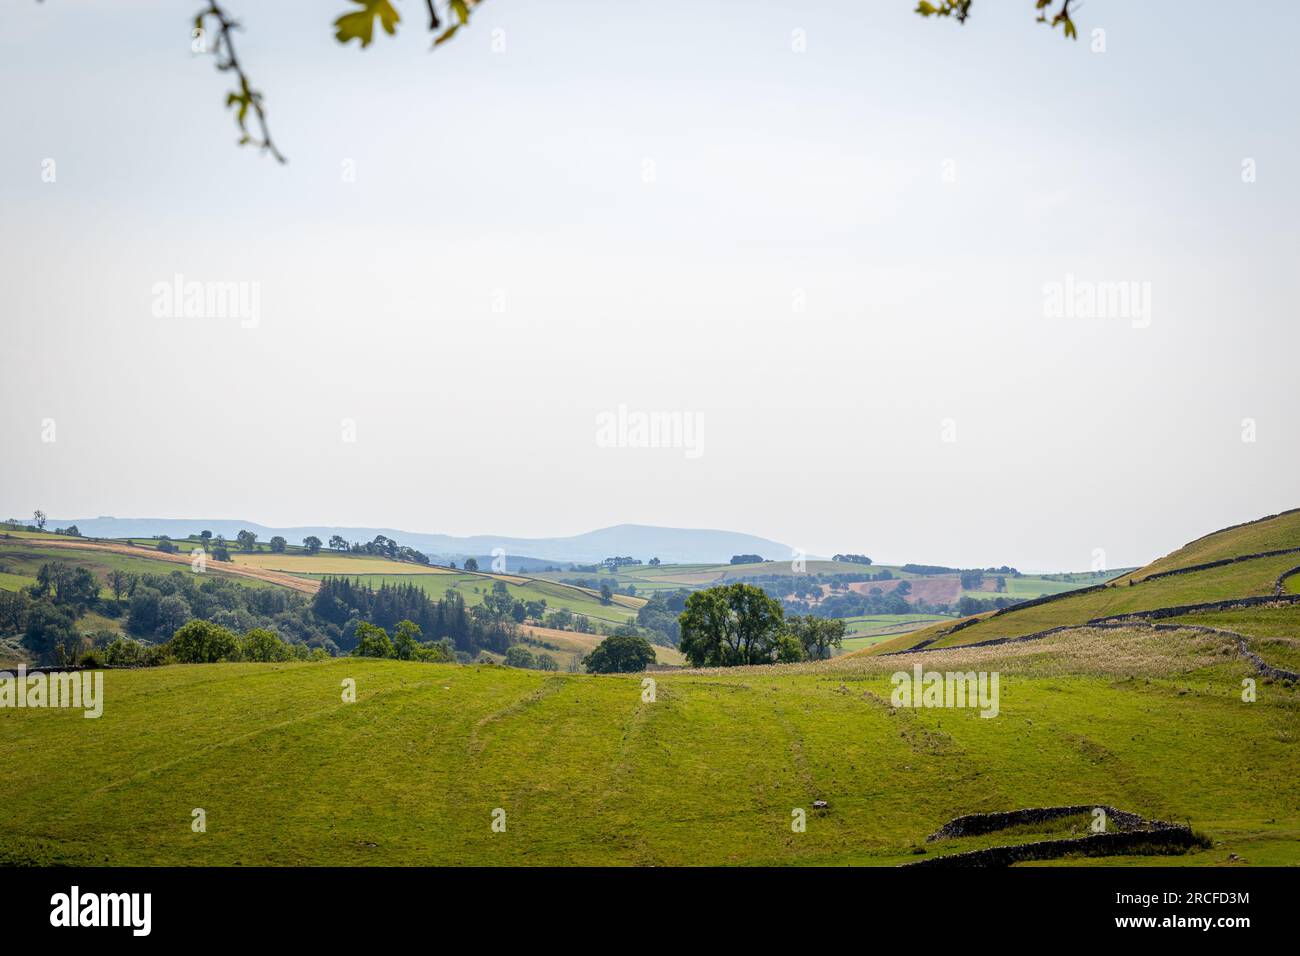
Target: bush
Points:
(620, 654)
(263, 646)
(202, 642)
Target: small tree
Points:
(519, 656)
(406, 640)
(372, 641)
(38, 517)
(470, 564)
(263, 645)
(278, 544)
(202, 642)
(620, 654)
(247, 540)
(311, 543)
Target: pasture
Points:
(588, 773)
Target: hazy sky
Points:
(833, 263)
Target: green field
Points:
(1242, 579)
(589, 774)
(21, 560)
(709, 772)
(475, 587)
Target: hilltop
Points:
(670, 545)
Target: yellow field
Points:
(581, 643)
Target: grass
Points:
(1268, 534)
(1274, 631)
(567, 647)
(475, 587)
(22, 560)
(325, 563)
(1254, 577)
(707, 774)
(589, 774)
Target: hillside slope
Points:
(1250, 561)
(588, 772)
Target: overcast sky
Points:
(838, 265)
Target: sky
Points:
(961, 294)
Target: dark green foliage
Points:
(202, 642)
(620, 654)
(731, 625)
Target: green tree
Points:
(818, 637)
(262, 645)
(470, 564)
(606, 592)
(620, 654)
(120, 583)
(372, 641)
(338, 543)
(50, 634)
(202, 642)
(406, 640)
(38, 518)
(312, 544)
(278, 544)
(519, 656)
(730, 625)
(173, 612)
(246, 540)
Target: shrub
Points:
(202, 642)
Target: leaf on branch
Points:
(360, 24)
(446, 34)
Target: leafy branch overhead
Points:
(959, 10)
(359, 24)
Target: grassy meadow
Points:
(588, 773)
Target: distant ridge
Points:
(669, 545)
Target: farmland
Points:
(709, 771)
(588, 773)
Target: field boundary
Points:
(302, 585)
(1145, 619)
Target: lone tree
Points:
(620, 654)
(311, 543)
(38, 516)
(731, 625)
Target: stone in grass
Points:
(820, 805)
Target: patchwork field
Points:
(473, 588)
(709, 771)
(21, 560)
(1253, 577)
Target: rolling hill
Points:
(671, 545)
(1144, 714)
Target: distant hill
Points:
(670, 545)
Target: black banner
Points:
(332, 905)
